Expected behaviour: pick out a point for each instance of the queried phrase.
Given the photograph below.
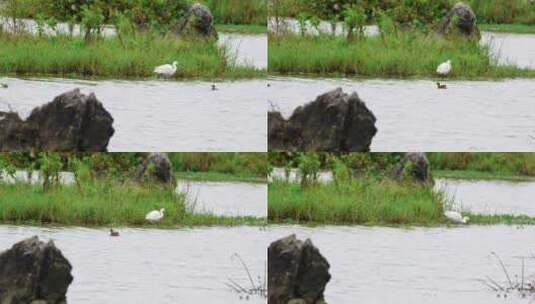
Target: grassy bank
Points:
(478, 175)
(101, 203)
(116, 57)
(521, 165)
(238, 11)
(219, 177)
(226, 166)
(508, 28)
(361, 201)
(407, 54)
(241, 28)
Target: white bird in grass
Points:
(167, 70)
(456, 217)
(444, 68)
(155, 215)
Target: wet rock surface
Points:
(465, 24)
(34, 272)
(156, 168)
(297, 272)
(335, 121)
(414, 166)
(198, 20)
(71, 122)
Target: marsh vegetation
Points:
(101, 191)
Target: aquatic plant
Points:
(257, 287)
(522, 284)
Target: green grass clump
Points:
(241, 29)
(357, 201)
(238, 11)
(219, 177)
(402, 54)
(133, 56)
(507, 219)
(222, 165)
(101, 203)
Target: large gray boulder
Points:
(156, 168)
(466, 21)
(72, 122)
(198, 21)
(297, 272)
(33, 272)
(334, 122)
(413, 166)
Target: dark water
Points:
(163, 115)
(490, 197)
(420, 265)
(154, 266)
(226, 198)
(413, 115)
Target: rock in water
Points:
(414, 166)
(16, 134)
(156, 168)
(72, 122)
(335, 121)
(198, 21)
(466, 22)
(297, 272)
(34, 272)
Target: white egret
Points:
(456, 217)
(155, 215)
(444, 68)
(167, 70)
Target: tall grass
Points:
(504, 11)
(239, 11)
(522, 164)
(405, 54)
(252, 165)
(357, 201)
(127, 56)
(100, 203)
